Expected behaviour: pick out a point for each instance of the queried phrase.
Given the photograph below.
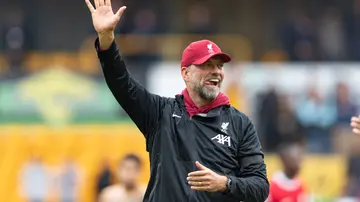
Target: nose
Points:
(216, 70)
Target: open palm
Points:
(104, 20)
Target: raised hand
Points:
(104, 20)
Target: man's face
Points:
(129, 173)
(206, 79)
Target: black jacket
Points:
(224, 140)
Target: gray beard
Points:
(206, 93)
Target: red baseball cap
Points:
(198, 52)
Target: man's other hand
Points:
(355, 125)
(206, 180)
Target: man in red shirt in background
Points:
(285, 186)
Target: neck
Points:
(198, 101)
(289, 174)
(129, 188)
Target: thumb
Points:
(200, 166)
(120, 12)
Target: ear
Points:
(185, 73)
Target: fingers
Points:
(108, 2)
(199, 184)
(201, 188)
(120, 12)
(355, 119)
(200, 166)
(90, 6)
(101, 2)
(356, 131)
(198, 173)
(97, 3)
(198, 179)
(355, 124)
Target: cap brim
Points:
(225, 57)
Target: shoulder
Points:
(171, 103)
(280, 181)
(111, 189)
(168, 104)
(241, 120)
(235, 113)
(111, 192)
(163, 101)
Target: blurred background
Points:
(295, 72)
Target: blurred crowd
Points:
(313, 118)
(319, 123)
(38, 183)
(295, 30)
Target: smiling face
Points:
(205, 79)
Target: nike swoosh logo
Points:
(177, 116)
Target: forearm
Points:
(106, 39)
(252, 184)
(130, 94)
(115, 72)
(254, 188)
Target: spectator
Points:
(16, 40)
(34, 181)
(268, 125)
(298, 38)
(353, 31)
(145, 24)
(69, 182)
(317, 115)
(199, 21)
(331, 35)
(289, 127)
(128, 188)
(352, 188)
(285, 184)
(345, 108)
(105, 178)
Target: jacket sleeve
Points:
(252, 185)
(142, 107)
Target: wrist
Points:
(227, 185)
(106, 38)
(224, 184)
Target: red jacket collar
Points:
(192, 109)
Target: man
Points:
(128, 189)
(201, 148)
(355, 124)
(285, 185)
